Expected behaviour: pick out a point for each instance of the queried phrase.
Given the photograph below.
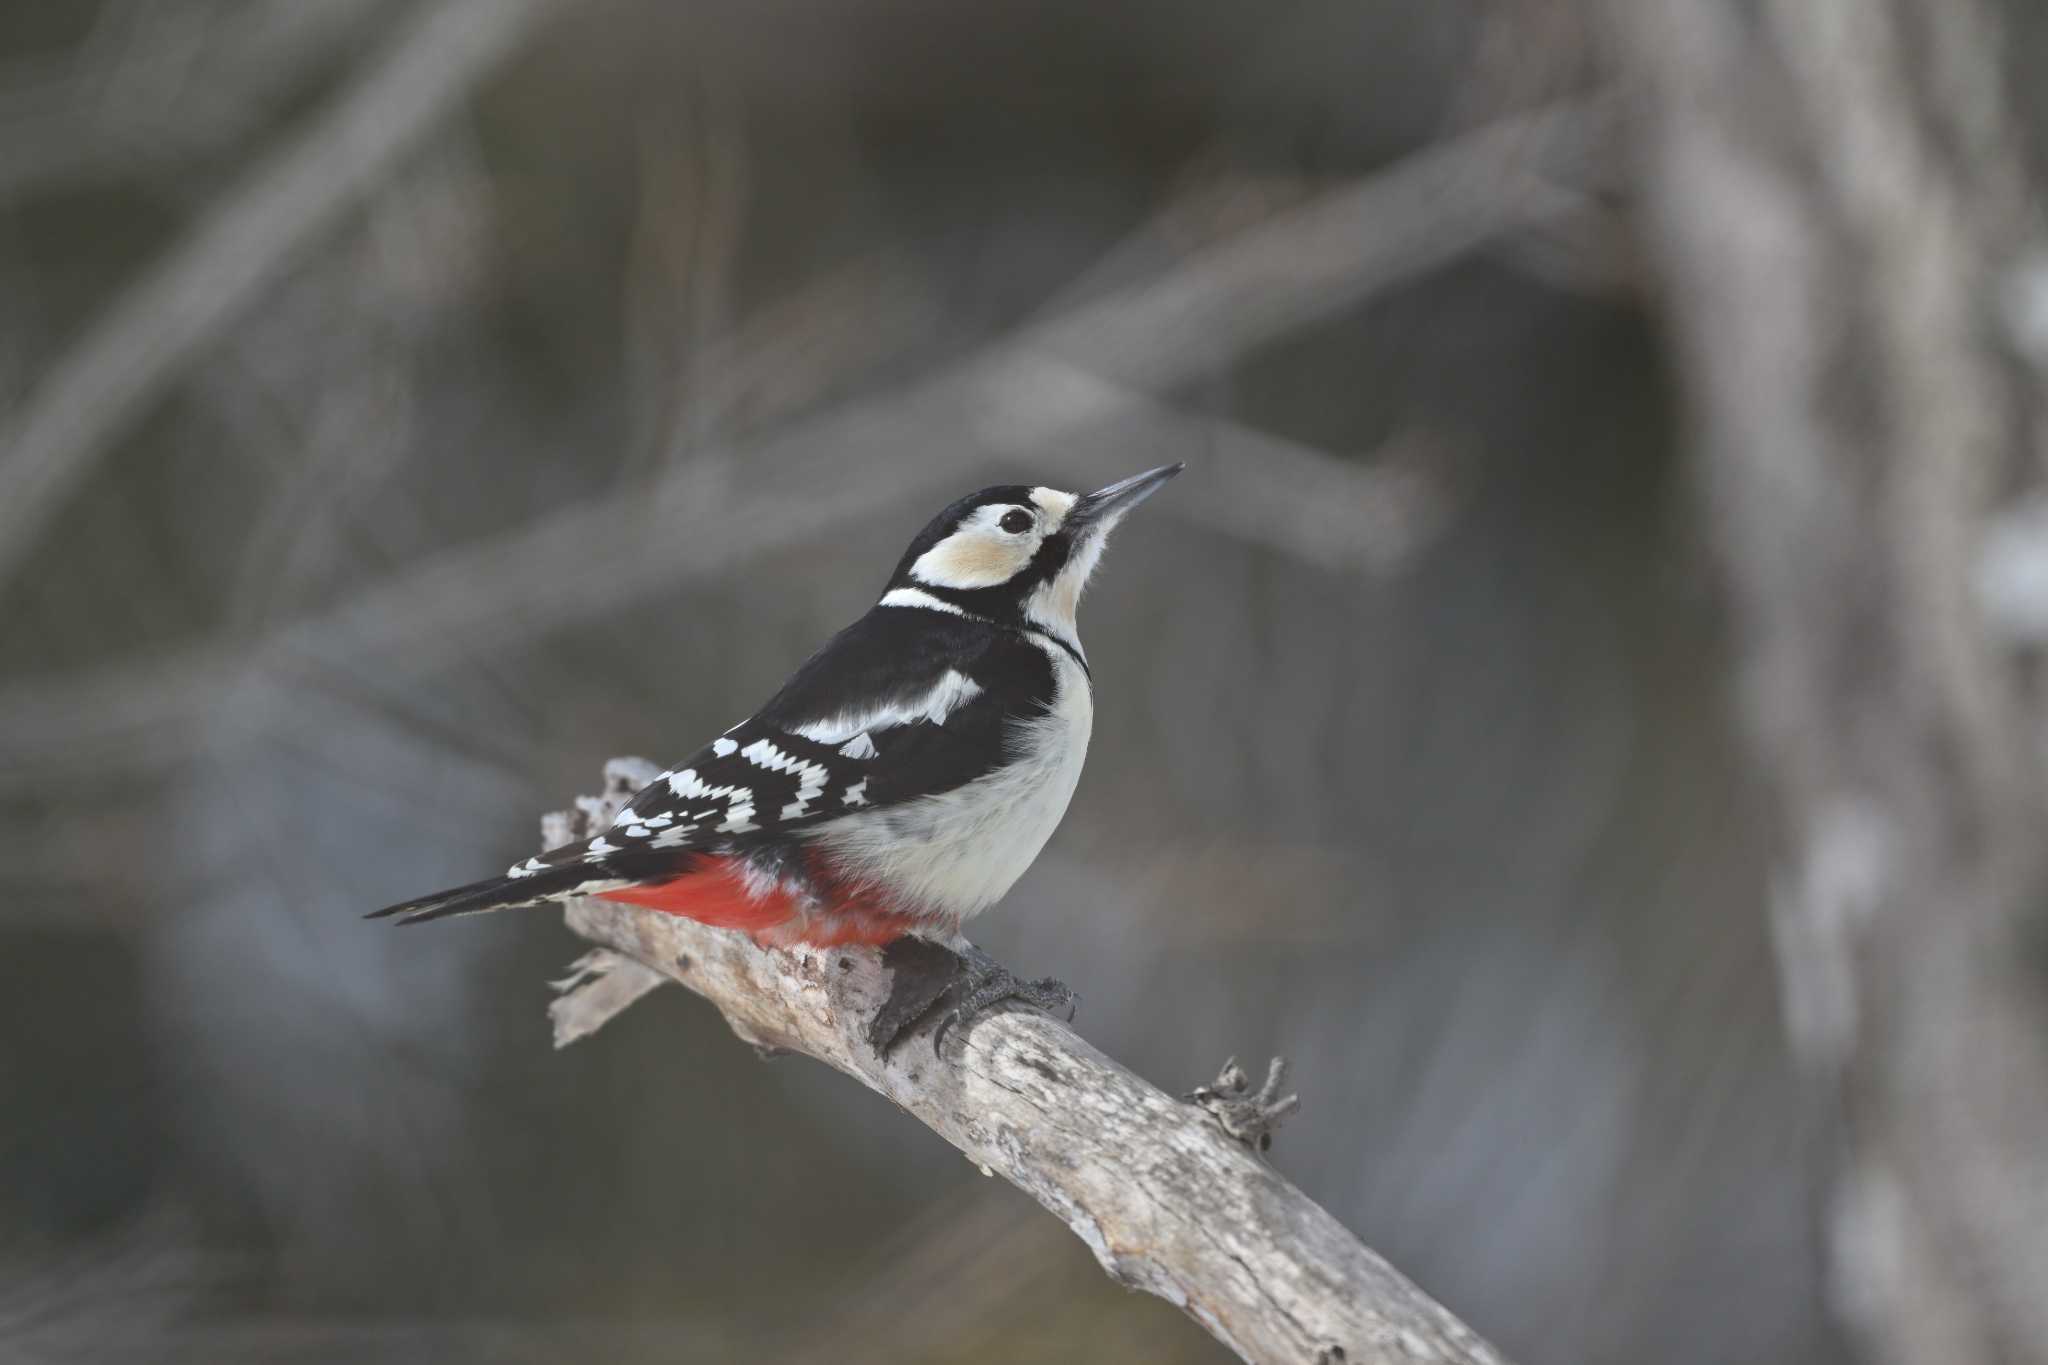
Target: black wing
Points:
(904, 703)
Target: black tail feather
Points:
(493, 893)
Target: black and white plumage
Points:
(903, 778)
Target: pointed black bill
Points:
(1105, 507)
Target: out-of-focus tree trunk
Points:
(1837, 203)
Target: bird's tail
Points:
(501, 893)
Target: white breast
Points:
(953, 855)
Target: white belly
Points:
(953, 855)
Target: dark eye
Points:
(1015, 522)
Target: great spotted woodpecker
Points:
(899, 783)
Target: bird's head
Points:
(1018, 554)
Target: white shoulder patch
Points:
(953, 690)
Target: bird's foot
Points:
(1247, 1115)
(925, 974)
(985, 982)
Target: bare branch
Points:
(1013, 397)
(157, 327)
(1336, 251)
(1263, 489)
(1166, 1199)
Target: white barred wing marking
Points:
(811, 777)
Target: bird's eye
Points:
(1016, 522)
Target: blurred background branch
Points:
(159, 324)
(155, 87)
(1833, 275)
(727, 506)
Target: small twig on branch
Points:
(1168, 1202)
(1250, 1116)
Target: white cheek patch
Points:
(975, 556)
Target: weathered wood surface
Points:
(1166, 1200)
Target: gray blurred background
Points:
(406, 406)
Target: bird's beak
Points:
(1097, 512)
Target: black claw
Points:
(986, 982)
(925, 974)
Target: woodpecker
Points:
(898, 784)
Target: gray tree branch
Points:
(1164, 1198)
